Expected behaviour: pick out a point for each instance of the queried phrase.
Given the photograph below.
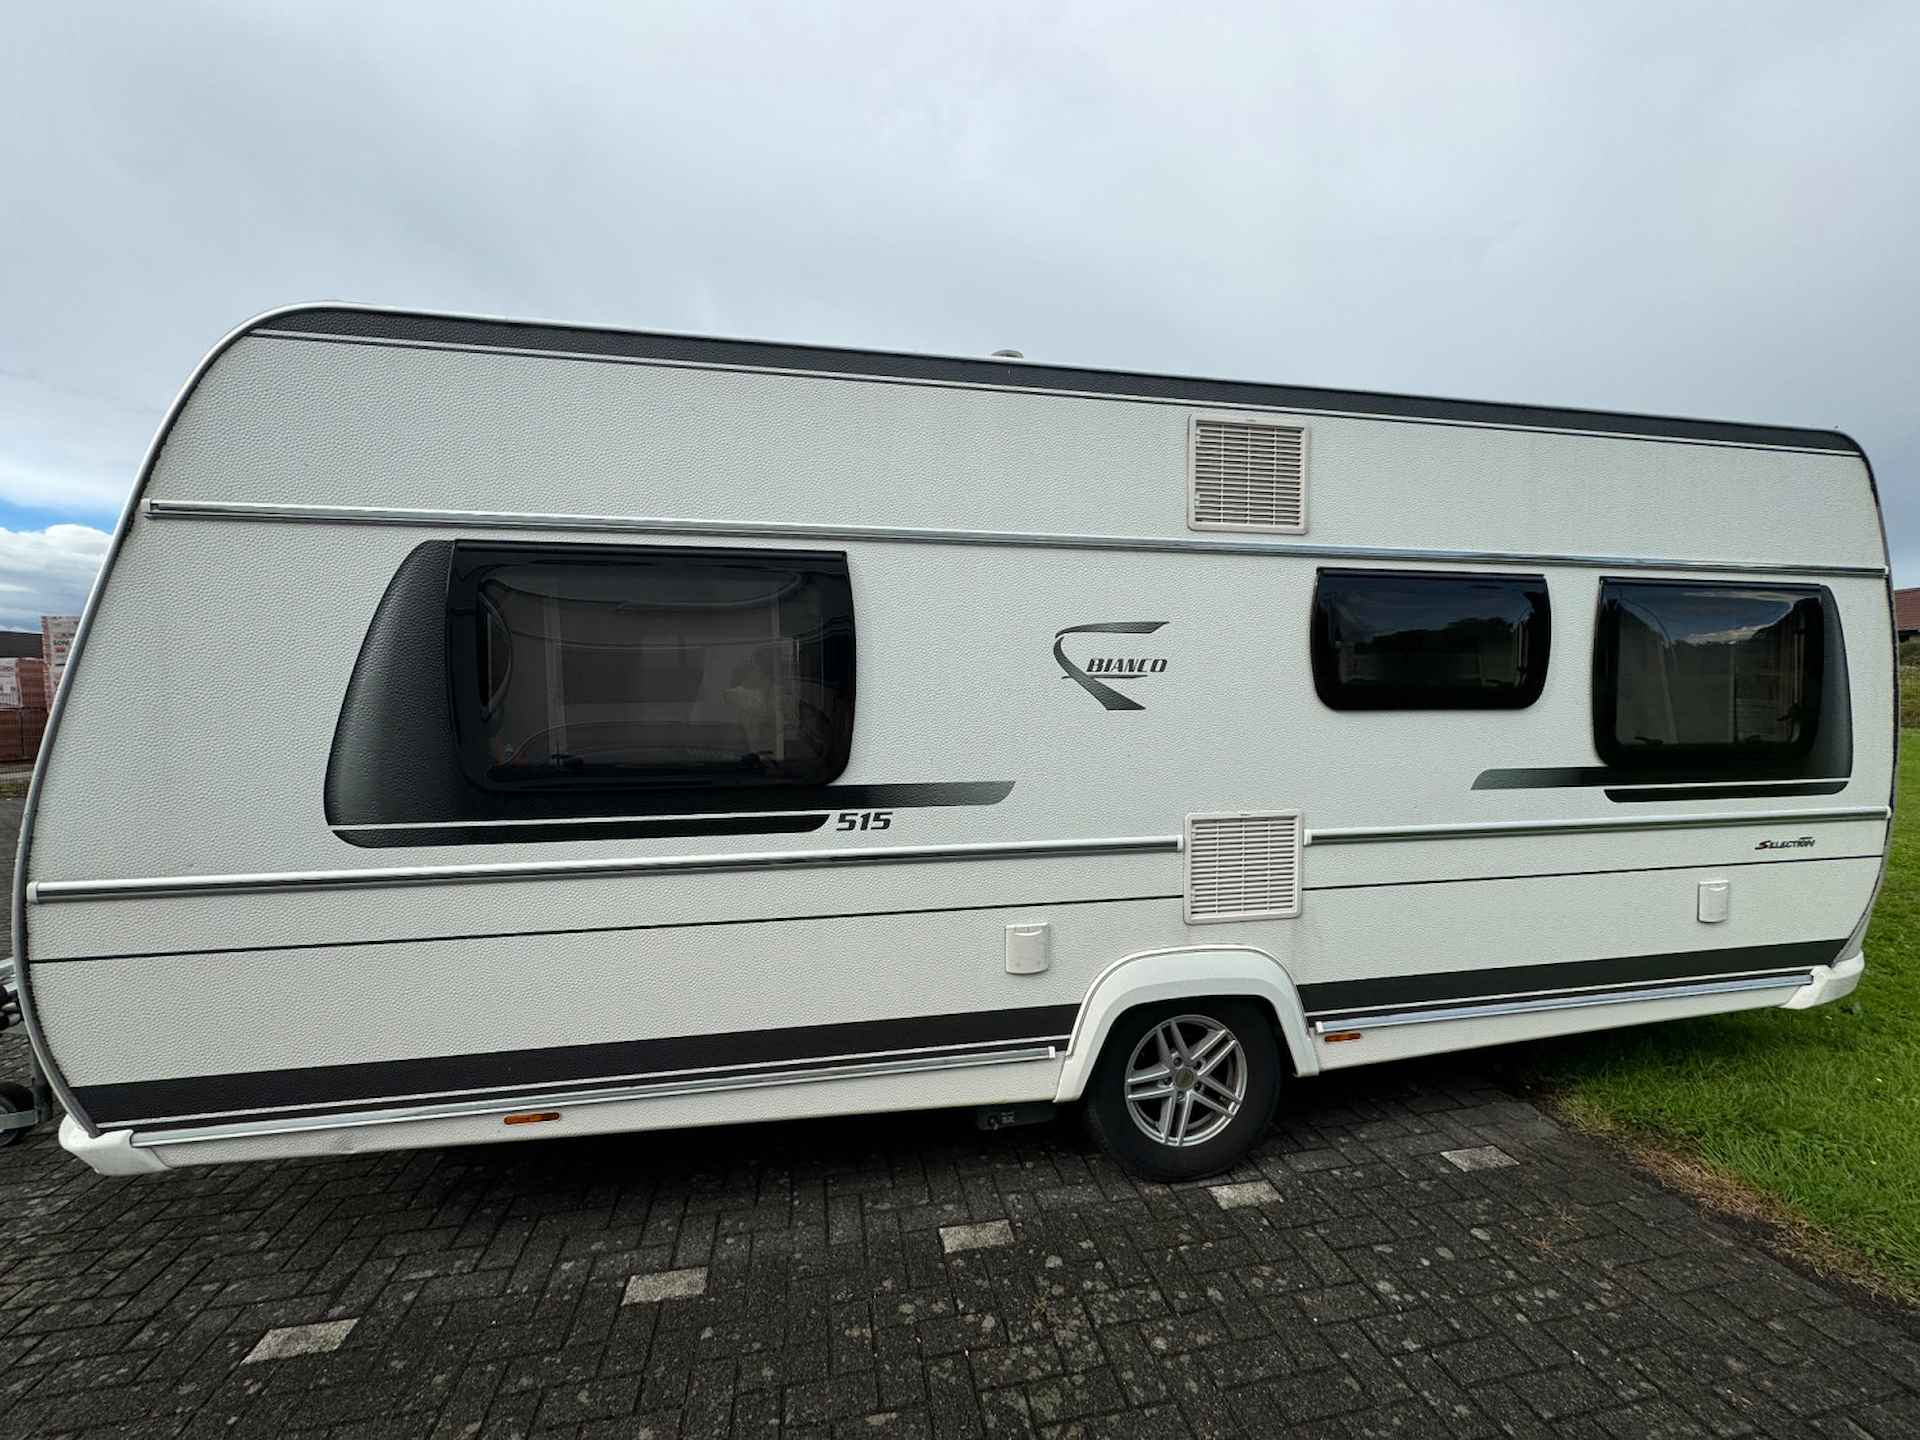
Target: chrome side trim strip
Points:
(43, 892)
(643, 525)
(1565, 1002)
(360, 1119)
(1366, 834)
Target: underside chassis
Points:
(21, 1106)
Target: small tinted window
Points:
(1687, 674)
(1401, 640)
(595, 665)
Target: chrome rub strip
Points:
(43, 892)
(639, 525)
(361, 1119)
(1565, 1002)
(1366, 834)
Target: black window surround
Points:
(402, 770)
(1719, 680)
(1430, 639)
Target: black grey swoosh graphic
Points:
(1105, 694)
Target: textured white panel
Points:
(146, 1017)
(1243, 866)
(296, 422)
(1484, 925)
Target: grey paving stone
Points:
(1249, 1192)
(988, 1234)
(1478, 1157)
(300, 1340)
(665, 1285)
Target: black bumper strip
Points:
(1331, 999)
(372, 1084)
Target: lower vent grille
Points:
(1243, 866)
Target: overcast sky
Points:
(1702, 210)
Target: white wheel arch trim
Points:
(1183, 972)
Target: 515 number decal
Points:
(864, 820)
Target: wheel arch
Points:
(1223, 971)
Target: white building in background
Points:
(56, 639)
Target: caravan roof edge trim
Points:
(375, 325)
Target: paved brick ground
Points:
(908, 1277)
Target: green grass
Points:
(1818, 1110)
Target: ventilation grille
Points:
(1243, 867)
(1248, 476)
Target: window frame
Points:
(472, 561)
(1827, 744)
(1337, 695)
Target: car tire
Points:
(1184, 1088)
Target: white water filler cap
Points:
(1027, 948)
(1716, 901)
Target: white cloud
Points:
(47, 572)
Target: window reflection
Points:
(657, 666)
(1429, 641)
(1685, 672)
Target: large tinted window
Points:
(594, 665)
(1411, 640)
(1688, 674)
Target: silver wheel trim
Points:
(1186, 1080)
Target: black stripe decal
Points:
(1572, 777)
(398, 328)
(716, 802)
(388, 836)
(738, 799)
(1452, 987)
(570, 1067)
(1726, 792)
(636, 1085)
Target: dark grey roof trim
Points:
(399, 327)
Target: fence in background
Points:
(20, 732)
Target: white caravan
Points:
(485, 730)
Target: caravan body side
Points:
(219, 969)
